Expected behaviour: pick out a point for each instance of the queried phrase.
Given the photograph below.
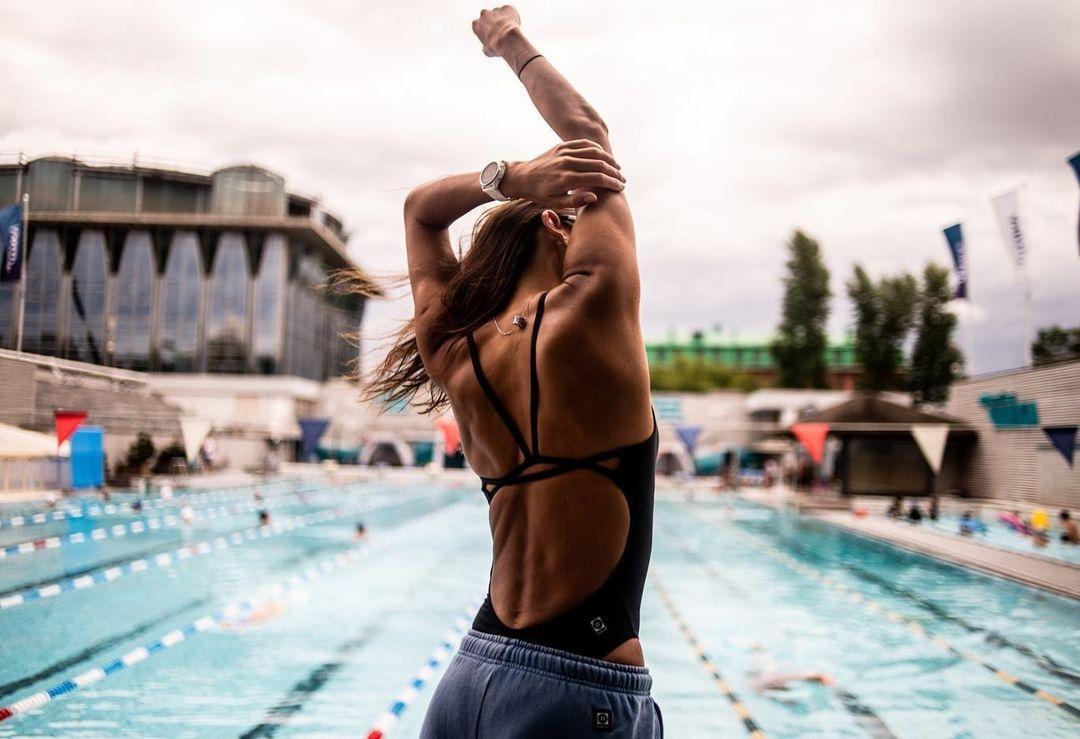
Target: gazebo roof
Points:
(872, 413)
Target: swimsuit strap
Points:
(489, 391)
(534, 388)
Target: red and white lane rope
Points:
(156, 523)
(442, 653)
(229, 612)
(167, 559)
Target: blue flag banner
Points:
(311, 430)
(1075, 162)
(88, 457)
(11, 223)
(955, 236)
(1064, 440)
(689, 436)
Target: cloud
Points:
(869, 124)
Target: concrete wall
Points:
(1020, 464)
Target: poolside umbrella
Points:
(1064, 440)
(66, 423)
(448, 427)
(812, 436)
(931, 438)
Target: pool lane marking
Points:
(446, 648)
(911, 625)
(864, 715)
(155, 523)
(96, 510)
(167, 559)
(751, 726)
(233, 610)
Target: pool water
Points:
(760, 593)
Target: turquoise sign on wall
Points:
(1008, 412)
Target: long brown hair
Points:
(477, 287)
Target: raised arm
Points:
(600, 260)
(568, 176)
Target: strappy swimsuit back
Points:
(611, 614)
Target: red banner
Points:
(812, 436)
(66, 423)
(450, 432)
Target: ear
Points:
(554, 227)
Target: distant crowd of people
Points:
(1036, 525)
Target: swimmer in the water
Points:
(361, 530)
(264, 517)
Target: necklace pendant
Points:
(518, 321)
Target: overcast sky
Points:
(871, 125)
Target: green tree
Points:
(695, 375)
(935, 361)
(1054, 344)
(799, 346)
(884, 313)
(140, 452)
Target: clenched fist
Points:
(493, 26)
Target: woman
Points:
(534, 341)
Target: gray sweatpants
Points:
(499, 688)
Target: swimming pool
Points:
(736, 590)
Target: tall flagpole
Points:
(25, 268)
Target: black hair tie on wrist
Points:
(527, 63)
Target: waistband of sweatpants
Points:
(556, 663)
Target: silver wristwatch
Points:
(490, 179)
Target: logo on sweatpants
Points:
(598, 626)
(602, 720)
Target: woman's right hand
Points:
(566, 176)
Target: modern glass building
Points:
(162, 270)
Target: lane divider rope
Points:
(167, 559)
(913, 626)
(98, 510)
(155, 523)
(229, 612)
(751, 726)
(446, 649)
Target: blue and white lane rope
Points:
(167, 559)
(231, 611)
(446, 649)
(156, 523)
(98, 510)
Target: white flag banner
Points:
(194, 431)
(1007, 210)
(931, 438)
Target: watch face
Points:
(489, 174)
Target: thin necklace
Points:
(518, 320)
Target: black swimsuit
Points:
(611, 614)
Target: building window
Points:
(134, 302)
(163, 196)
(86, 307)
(226, 316)
(50, 184)
(178, 346)
(306, 322)
(269, 307)
(41, 327)
(107, 193)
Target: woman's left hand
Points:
(567, 176)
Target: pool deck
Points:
(1058, 577)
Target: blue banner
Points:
(1064, 440)
(955, 237)
(1075, 162)
(311, 430)
(88, 457)
(689, 436)
(11, 223)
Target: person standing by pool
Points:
(533, 338)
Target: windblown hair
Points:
(477, 288)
